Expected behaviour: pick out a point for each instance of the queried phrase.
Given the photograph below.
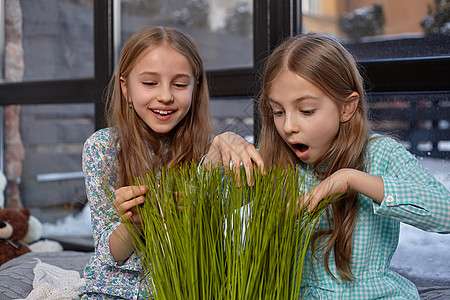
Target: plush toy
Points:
(2, 189)
(13, 228)
(34, 231)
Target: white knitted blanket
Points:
(53, 283)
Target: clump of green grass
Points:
(205, 236)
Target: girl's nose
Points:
(165, 96)
(290, 126)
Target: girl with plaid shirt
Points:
(314, 116)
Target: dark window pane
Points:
(53, 138)
(421, 121)
(58, 39)
(234, 114)
(385, 29)
(223, 30)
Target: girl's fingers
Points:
(128, 192)
(312, 205)
(248, 158)
(255, 158)
(248, 165)
(127, 208)
(249, 174)
(235, 150)
(127, 205)
(125, 217)
(130, 215)
(236, 165)
(300, 204)
(308, 200)
(226, 163)
(127, 198)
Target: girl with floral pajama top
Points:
(158, 105)
(158, 115)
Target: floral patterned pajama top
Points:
(104, 278)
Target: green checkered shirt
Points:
(412, 196)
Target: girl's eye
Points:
(277, 113)
(307, 112)
(150, 83)
(180, 85)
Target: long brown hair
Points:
(141, 149)
(324, 62)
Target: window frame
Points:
(87, 90)
(273, 21)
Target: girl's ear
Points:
(123, 86)
(349, 107)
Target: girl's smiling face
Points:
(306, 118)
(160, 87)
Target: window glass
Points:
(384, 28)
(234, 114)
(398, 29)
(223, 30)
(52, 183)
(420, 121)
(41, 145)
(310, 7)
(48, 40)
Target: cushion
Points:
(16, 275)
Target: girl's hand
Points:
(127, 198)
(340, 182)
(230, 150)
(121, 241)
(336, 183)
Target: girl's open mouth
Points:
(301, 147)
(301, 150)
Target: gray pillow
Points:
(16, 275)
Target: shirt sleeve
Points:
(100, 172)
(411, 194)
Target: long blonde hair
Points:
(323, 61)
(141, 149)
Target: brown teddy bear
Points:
(13, 228)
